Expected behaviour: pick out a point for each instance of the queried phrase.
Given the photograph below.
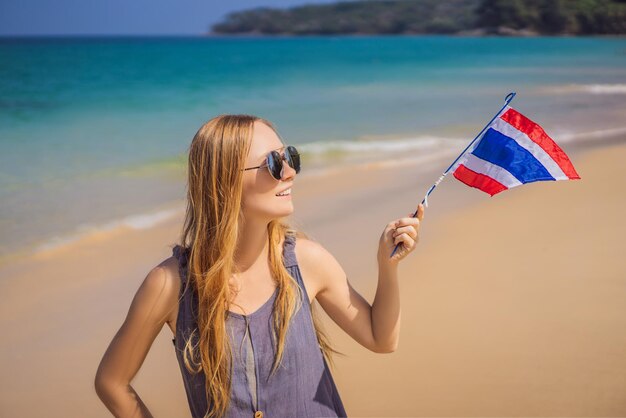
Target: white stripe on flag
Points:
(531, 146)
(496, 172)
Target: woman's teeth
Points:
(285, 193)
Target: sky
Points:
(122, 17)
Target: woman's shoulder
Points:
(166, 275)
(157, 295)
(310, 251)
(316, 264)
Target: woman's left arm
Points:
(375, 326)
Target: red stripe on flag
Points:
(539, 136)
(479, 181)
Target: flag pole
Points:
(507, 100)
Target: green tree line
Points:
(553, 17)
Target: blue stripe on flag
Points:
(503, 151)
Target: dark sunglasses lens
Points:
(275, 161)
(275, 164)
(293, 158)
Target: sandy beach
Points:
(511, 305)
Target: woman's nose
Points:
(288, 172)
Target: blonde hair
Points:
(217, 155)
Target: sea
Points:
(94, 131)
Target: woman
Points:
(233, 290)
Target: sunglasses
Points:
(274, 162)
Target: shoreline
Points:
(170, 209)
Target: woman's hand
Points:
(404, 231)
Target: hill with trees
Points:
(471, 17)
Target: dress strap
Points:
(289, 254)
(184, 307)
(182, 256)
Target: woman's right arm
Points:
(151, 306)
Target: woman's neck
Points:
(252, 246)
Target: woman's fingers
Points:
(420, 211)
(405, 238)
(410, 229)
(405, 231)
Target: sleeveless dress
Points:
(302, 386)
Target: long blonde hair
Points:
(217, 155)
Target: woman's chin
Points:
(287, 211)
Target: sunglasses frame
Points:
(276, 156)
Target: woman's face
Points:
(260, 189)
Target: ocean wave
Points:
(134, 222)
(589, 135)
(379, 145)
(585, 88)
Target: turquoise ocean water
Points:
(93, 131)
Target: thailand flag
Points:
(513, 151)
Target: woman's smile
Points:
(284, 193)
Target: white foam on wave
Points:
(148, 220)
(567, 136)
(382, 145)
(440, 156)
(605, 88)
(134, 222)
(586, 88)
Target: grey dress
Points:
(301, 387)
